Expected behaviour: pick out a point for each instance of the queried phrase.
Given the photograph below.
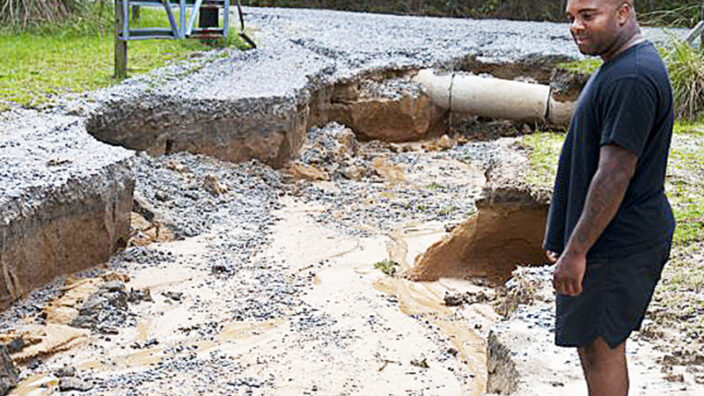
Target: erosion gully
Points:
(250, 280)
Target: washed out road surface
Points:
(242, 279)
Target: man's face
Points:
(595, 24)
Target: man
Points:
(610, 225)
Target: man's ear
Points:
(623, 13)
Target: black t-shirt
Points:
(628, 102)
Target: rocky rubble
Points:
(189, 194)
(8, 372)
(329, 152)
(105, 310)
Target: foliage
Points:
(672, 13)
(686, 67)
(387, 266)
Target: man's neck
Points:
(623, 44)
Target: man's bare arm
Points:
(606, 192)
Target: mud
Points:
(505, 232)
(489, 245)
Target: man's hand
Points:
(552, 256)
(568, 275)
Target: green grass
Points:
(434, 186)
(544, 150)
(586, 66)
(684, 182)
(78, 56)
(387, 266)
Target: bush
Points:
(26, 13)
(686, 67)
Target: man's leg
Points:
(605, 369)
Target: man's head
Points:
(601, 27)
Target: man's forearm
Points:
(606, 193)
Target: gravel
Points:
(45, 155)
(181, 185)
(379, 205)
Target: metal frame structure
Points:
(183, 29)
(698, 30)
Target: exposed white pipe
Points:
(494, 98)
(560, 113)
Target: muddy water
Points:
(421, 323)
(425, 299)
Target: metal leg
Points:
(194, 14)
(172, 21)
(182, 19)
(226, 20)
(125, 19)
(120, 43)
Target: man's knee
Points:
(599, 354)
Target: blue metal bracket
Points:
(696, 32)
(182, 29)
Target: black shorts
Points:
(615, 296)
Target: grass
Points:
(686, 69)
(77, 56)
(434, 186)
(685, 172)
(544, 150)
(684, 182)
(387, 266)
(585, 66)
